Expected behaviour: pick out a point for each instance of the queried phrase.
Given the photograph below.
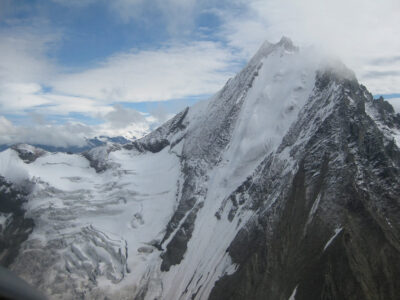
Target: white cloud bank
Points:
(170, 72)
(119, 121)
(55, 135)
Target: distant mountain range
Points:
(90, 144)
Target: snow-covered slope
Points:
(242, 196)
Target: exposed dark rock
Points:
(28, 153)
(98, 157)
(160, 138)
(16, 228)
(386, 113)
(178, 245)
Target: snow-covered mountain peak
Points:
(261, 101)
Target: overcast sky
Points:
(76, 68)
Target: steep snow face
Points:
(247, 119)
(283, 84)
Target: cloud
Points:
(178, 16)
(126, 122)
(120, 117)
(395, 102)
(59, 104)
(74, 3)
(56, 135)
(25, 66)
(37, 118)
(161, 113)
(385, 60)
(16, 97)
(69, 133)
(119, 121)
(23, 53)
(20, 98)
(377, 74)
(170, 72)
(174, 12)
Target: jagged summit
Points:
(286, 41)
(284, 184)
(285, 44)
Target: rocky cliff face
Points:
(284, 185)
